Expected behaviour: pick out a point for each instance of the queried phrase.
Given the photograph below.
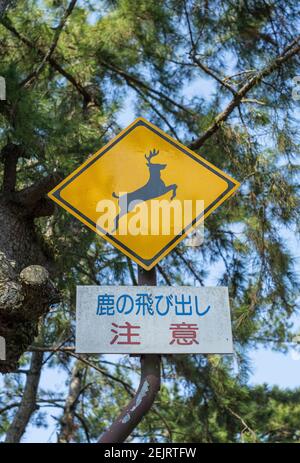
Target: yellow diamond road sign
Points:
(142, 191)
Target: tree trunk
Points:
(26, 291)
(28, 403)
(67, 421)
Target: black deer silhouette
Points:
(154, 188)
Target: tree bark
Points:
(68, 425)
(28, 404)
(26, 290)
(24, 297)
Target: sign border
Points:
(82, 313)
(147, 264)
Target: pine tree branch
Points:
(55, 65)
(211, 73)
(131, 271)
(197, 61)
(133, 80)
(189, 266)
(154, 109)
(9, 407)
(28, 403)
(51, 349)
(29, 79)
(130, 79)
(164, 274)
(84, 425)
(291, 50)
(246, 427)
(126, 385)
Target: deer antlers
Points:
(152, 153)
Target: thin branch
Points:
(252, 100)
(238, 74)
(189, 266)
(134, 80)
(162, 418)
(126, 385)
(56, 349)
(50, 52)
(164, 275)
(154, 108)
(84, 425)
(252, 82)
(212, 74)
(189, 25)
(157, 94)
(246, 427)
(55, 65)
(131, 271)
(9, 407)
(50, 349)
(197, 61)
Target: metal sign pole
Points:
(148, 388)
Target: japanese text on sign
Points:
(148, 304)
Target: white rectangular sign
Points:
(153, 319)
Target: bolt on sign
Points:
(151, 319)
(144, 192)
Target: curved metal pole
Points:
(148, 388)
(139, 405)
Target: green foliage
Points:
(122, 50)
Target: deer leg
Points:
(174, 191)
(167, 189)
(117, 219)
(172, 187)
(116, 223)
